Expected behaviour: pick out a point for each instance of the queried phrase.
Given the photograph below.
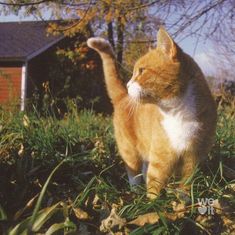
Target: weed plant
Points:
(64, 176)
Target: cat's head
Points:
(158, 75)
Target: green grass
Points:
(65, 177)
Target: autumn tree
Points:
(117, 20)
(121, 21)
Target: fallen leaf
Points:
(96, 202)
(113, 220)
(211, 224)
(149, 218)
(232, 187)
(222, 206)
(229, 225)
(81, 214)
(180, 208)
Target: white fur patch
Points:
(97, 41)
(134, 89)
(133, 180)
(179, 131)
(144, 170)
(180, 121)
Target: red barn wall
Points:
(10, 84)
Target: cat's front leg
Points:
(159, 172)
(134, 175)
(133, 166)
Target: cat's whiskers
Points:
(138, 101)
(132, 105)
(126, 104)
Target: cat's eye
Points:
(141, 70)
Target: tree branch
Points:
(25, 4)
(198, 15)
(142, 6)
(110, 34)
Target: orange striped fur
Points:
(165, 120)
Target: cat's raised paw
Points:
(98, 44)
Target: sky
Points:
(202, 54)
(200, 51)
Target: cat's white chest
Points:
(179, 131)
(180, 123)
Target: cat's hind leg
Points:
(189, 165)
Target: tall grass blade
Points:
(81, 198)
(41, 195)
(163, 219)
(43, 216)
(3, 215)
(40, 219)
(21, 228)
(159, 231)
(54, 228)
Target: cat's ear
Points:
(166, 44)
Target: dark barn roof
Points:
(21, 41)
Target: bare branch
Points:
(199, 15)
(25, 4)
(143, 6)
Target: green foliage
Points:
(79, 78)
(92, 181)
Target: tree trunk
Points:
(120, 37)
(110, 34)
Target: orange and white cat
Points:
(173, 124)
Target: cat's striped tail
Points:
(115, 88)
